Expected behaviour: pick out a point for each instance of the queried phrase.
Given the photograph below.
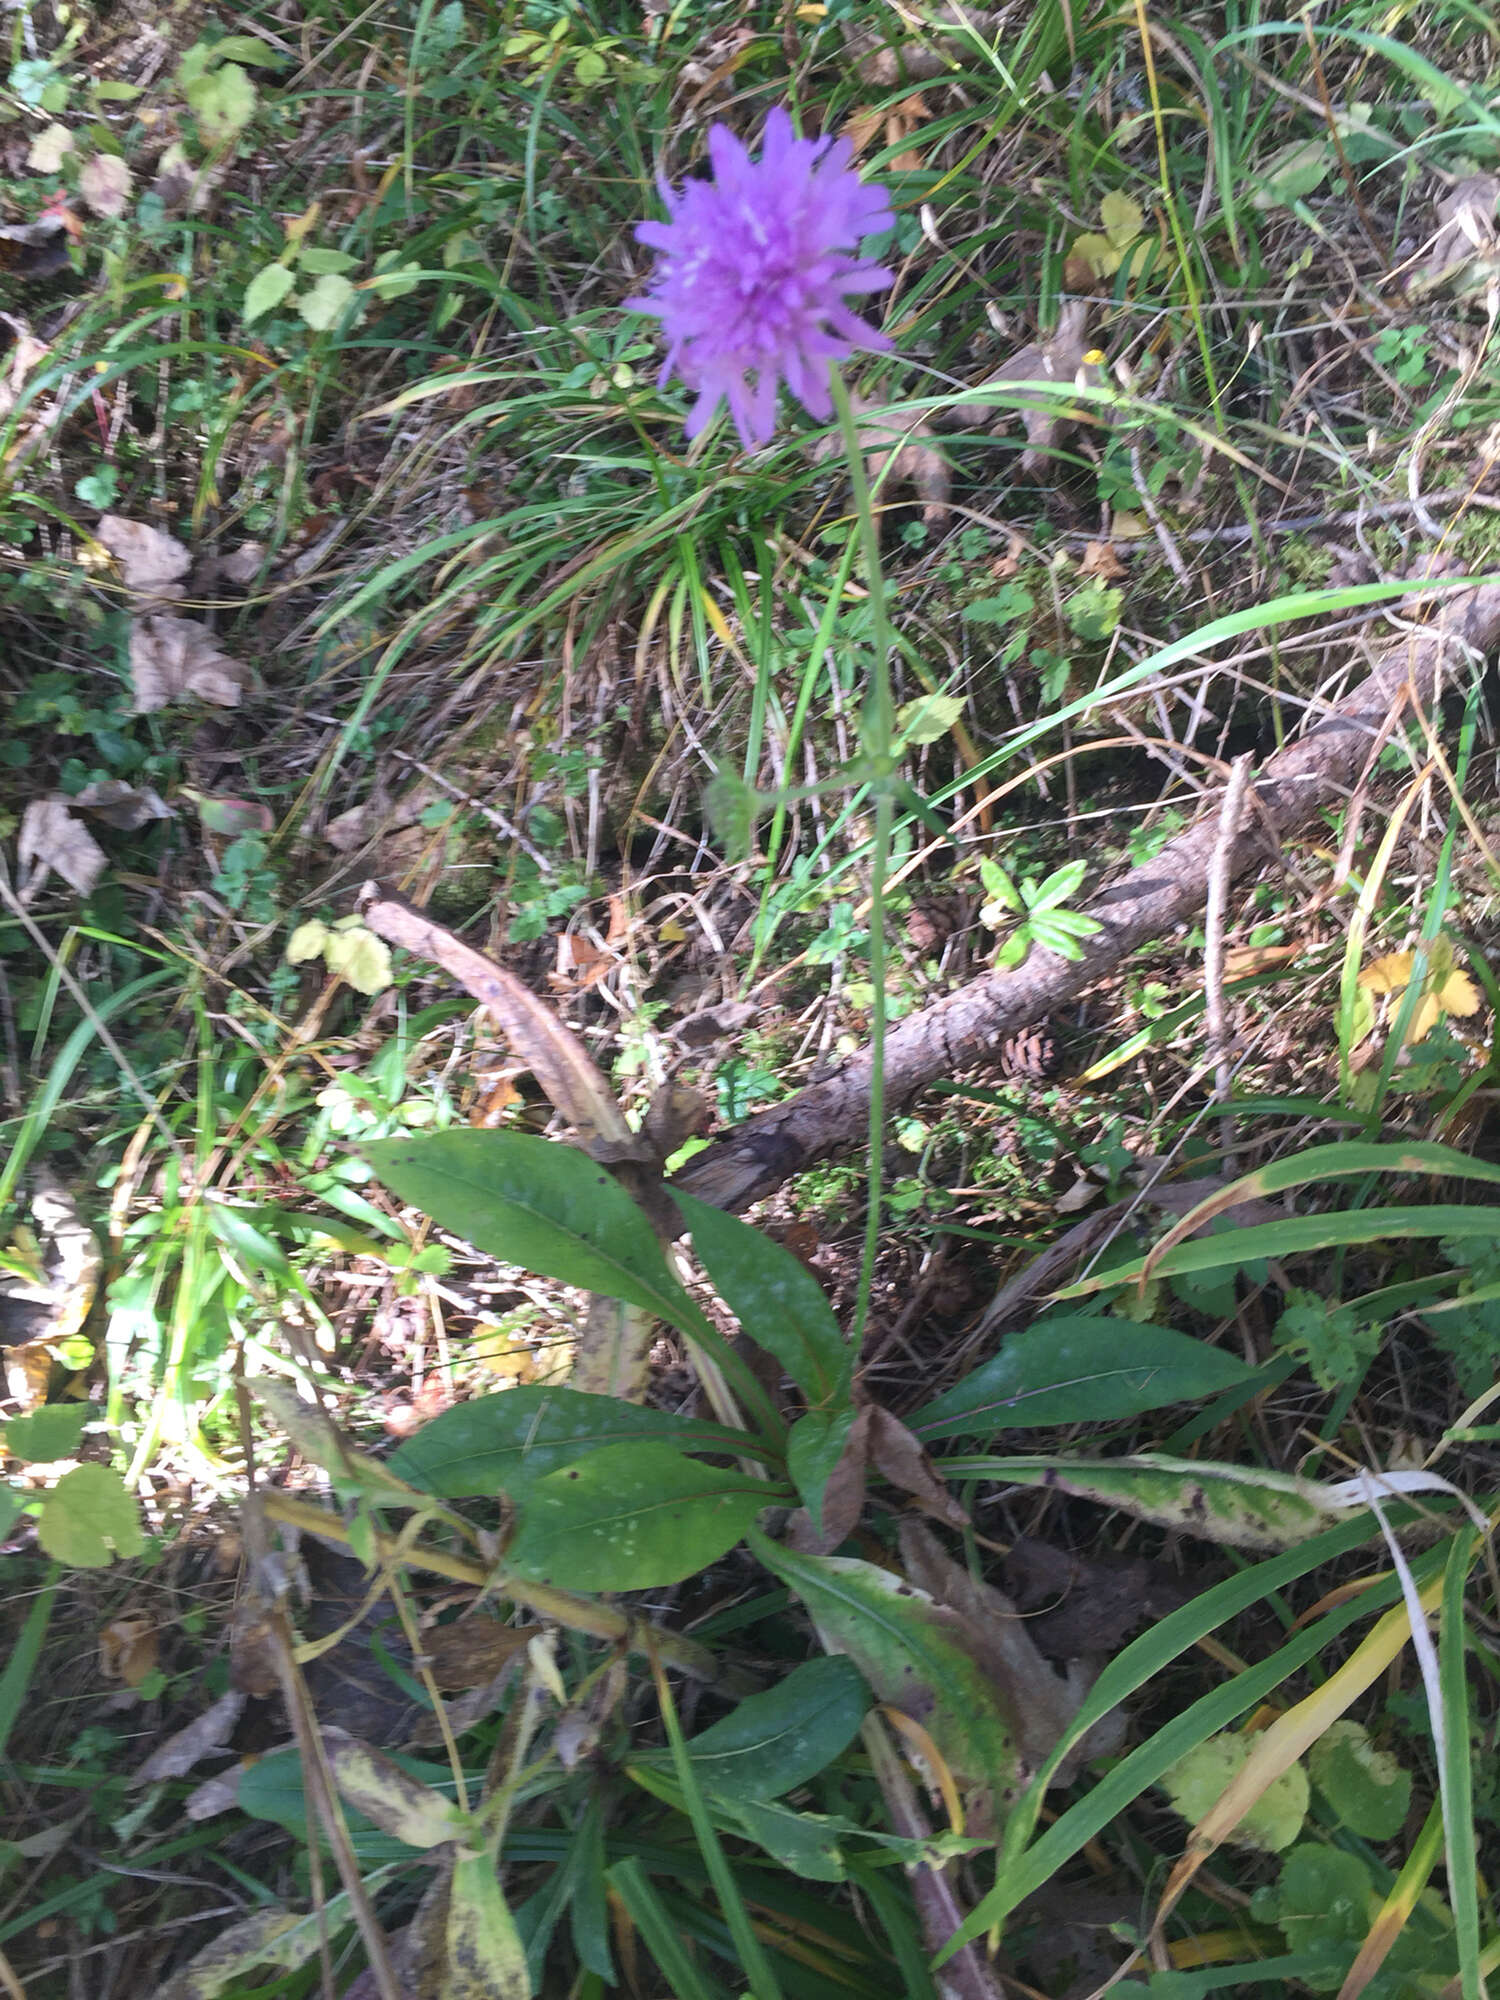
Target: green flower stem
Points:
(877, 730)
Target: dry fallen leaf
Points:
(174, 659)
(124, 807)
(1242, 960)
(898, 452)
(1065, 358)
(209, 1732)
(105, 184)
(1465, 250)
(150, 562)
(27, 1370)
(1102, 560)
(128, 1648)
(52, 841)
(25, 354)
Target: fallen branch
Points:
(965, 1028)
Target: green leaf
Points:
(732, 807)
(929, 719)
(1197, 1781)
(1059, 886)
(1094, 611)
(318, 262)
(633, 1517)
(804, 1844)
(265, 291)
(902, 1643)
(324, 306)
(1240, 1506)
(814, 1446)
(222, 101)
(1292, 173)
(1078, 1369)
(248, 49)
(87, 1516)
(778, 1740)
(775, 1298)
(1122, 218)
(545, 1207)
(1366, 1787)
(504, 1442)
(48, 1433)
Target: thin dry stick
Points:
(1220, 871)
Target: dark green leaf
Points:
(503, 1442)
(776, 1299)
(545, 1207)
(1078, 1369)
(814, 1447)
(777, 1740)
(633, 1517)
(48, 1433)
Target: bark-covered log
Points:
(965, 1028)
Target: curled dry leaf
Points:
(175, 659)
(1065, 358)
(208, 1732)
(877, 1439)
(25, 354)
(471, 1653)
(51, 841)
(129, 1648)
(898, 452)
(105, 184)
(124, 807)
(150, 562)
(1465, 250)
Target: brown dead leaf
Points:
(129, 1648)
(176, 659)
(28, 1366)
(40, 248)
(580, 962)
(879, 1440)
(105, 184)
(124, 807)
(1102, 559)
(150, 562)
(713, 1024)
(1094, 1604)
(1465, 250)
(1244, 960)
(26, 353)
(898, 452)
(556, 1058)
(471, 1653)
(51, 841)
(675, 1114)
(1066, 358)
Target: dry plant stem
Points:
(1231, 813)
(1144, 906)
(965, 1975)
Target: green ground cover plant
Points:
(585, 590)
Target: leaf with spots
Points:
(633, 1517)
(911, 1651)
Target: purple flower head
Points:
(754, 270)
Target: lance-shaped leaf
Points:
(633, 1517)
(777, 1740)
(398, 1804)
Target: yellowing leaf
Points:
(48, 149)
(1391, 974)
(1122, 218)
(1101, 256)
(930, 718)
(306, 941)
(323, 306)
(359, 958)
(1448, 990)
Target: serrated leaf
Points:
(1366, 1787)
(47, 1433)
(776, 1299)
(929, 719)
(306, 942)
(89, 1517)
(324, 306)
(542, 1206)
(359, 958)
(1079, 1369)
(633, 1517)
(266, 290)
(903, 1645)
(1197, 1781)
(1122, 218)
(502, 1443)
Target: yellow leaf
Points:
(305, 942)
(1101, 256)
(1122, 219)
(1459, 995)
(671, 932)
(1429, 1013)
(360, 958)
(1391, 974)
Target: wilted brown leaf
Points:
(898, 452)
(124, 807)
(1243, 960)
(471, 1653)
(880, 1440)
(150, 562)
(105, 184)
(27, 1367)
(1102, 559)
(1465, 250)
(175, 659)
(1094, 1604)
(52, 841)
(129, 1648)
(1065, 358)
(208, 1732)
